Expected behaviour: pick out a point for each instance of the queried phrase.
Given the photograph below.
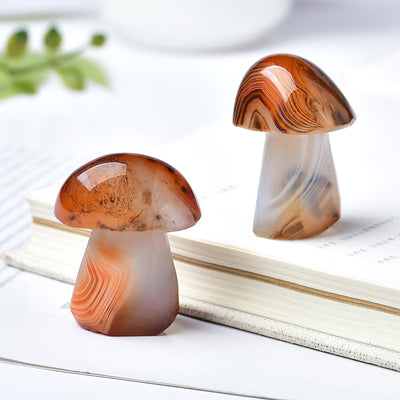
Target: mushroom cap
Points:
(283, 93)
(127, 193)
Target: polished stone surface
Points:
(127, 193)
(297, 105)
(298, 193)
(126, 283)
(283, 93)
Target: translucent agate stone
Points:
(297, 105)
(126, 283)
(298, 194)
(127, 193)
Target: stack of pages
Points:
(338, 292)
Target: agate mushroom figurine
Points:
(297, 105)
(126, 284)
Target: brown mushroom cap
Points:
(284, 93)
(127, 193)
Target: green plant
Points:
(23, 71)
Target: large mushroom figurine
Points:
(126, 284)
(297, 105)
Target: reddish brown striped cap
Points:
(283, 93)
(127, 193)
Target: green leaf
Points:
(28, 79)
(5, 78)
(89, 69)
(26, 86)
(26, 61)
(6, 86)
(98, 40)
(25, 82)
(23, 72)
(72, 77)
(52, 39)
(17, 43)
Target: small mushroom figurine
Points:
(126, 284)
(297, 104)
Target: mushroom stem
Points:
(298, 193)
(126, 284)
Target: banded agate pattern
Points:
(286, 94)
(99, 290)
(119, 292)
(296, 104)
(126, 283)
(298, 195)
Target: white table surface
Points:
(156, 97)
(39, 330)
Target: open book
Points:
(338, 292)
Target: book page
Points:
(222, 163)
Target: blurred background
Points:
(174, 66)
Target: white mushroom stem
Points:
(298, 194)
(126, 284)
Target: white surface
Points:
(38, 328)
(157, 97)
(47, 7)
(40, 384)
